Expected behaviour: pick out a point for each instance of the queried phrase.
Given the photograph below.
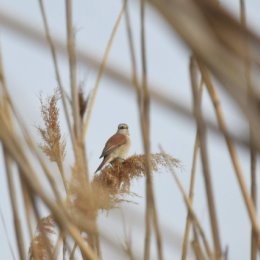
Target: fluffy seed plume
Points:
(53, 144)
(108, 189)
(116, 180)
(41, 247)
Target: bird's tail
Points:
(102, 164)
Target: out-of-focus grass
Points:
(221, 46)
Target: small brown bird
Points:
(116, 147)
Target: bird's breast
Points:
(122, 151)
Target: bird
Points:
(116, 147)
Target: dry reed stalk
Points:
(84, 205)
(188, 204)
(197, 251)
(56, 68)
(35, 152)
(6, 234)
(101, 70)
(40, 245)
(9, 163)
(253, 154)
(26, 134)
(28, 206)
(73, 251)
(64, 249)
(217, 47)
(58, 243)
(192, 185)
(71, 50)
(172, 105)
(231, 148)
(144, 121)
(253, 127)
(127, 247)
(191, 192)
(205, 162)
(196, 247)
(14, 148)
(57, 246)
(37, 244)
(14, 204)
(33, 148)
(139, 102)
(79, 149)
(151, 212)
(132, 55)
(6, 107)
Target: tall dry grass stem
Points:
(151, 215)
(188, 204)
(14, 203)
(28, 207)
(205, 162)
(9, 166)
(217, 45)
(144, 122)
(196, 247)
(10, 245)
(56, 69)
(13, 147)
(101, 70)
(192, 184)
(71, 49)
(28, 139)
(253, 153)
(171, 104)
(231, 148)
(32, 146)
(222, 45)
(132, 52)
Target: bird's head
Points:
(122, 129)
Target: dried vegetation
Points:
(222, 47)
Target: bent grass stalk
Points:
(101, 71)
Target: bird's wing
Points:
(112, 143)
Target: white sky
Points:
(29, 72)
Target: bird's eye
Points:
(123, 127)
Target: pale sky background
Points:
(29, 72)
